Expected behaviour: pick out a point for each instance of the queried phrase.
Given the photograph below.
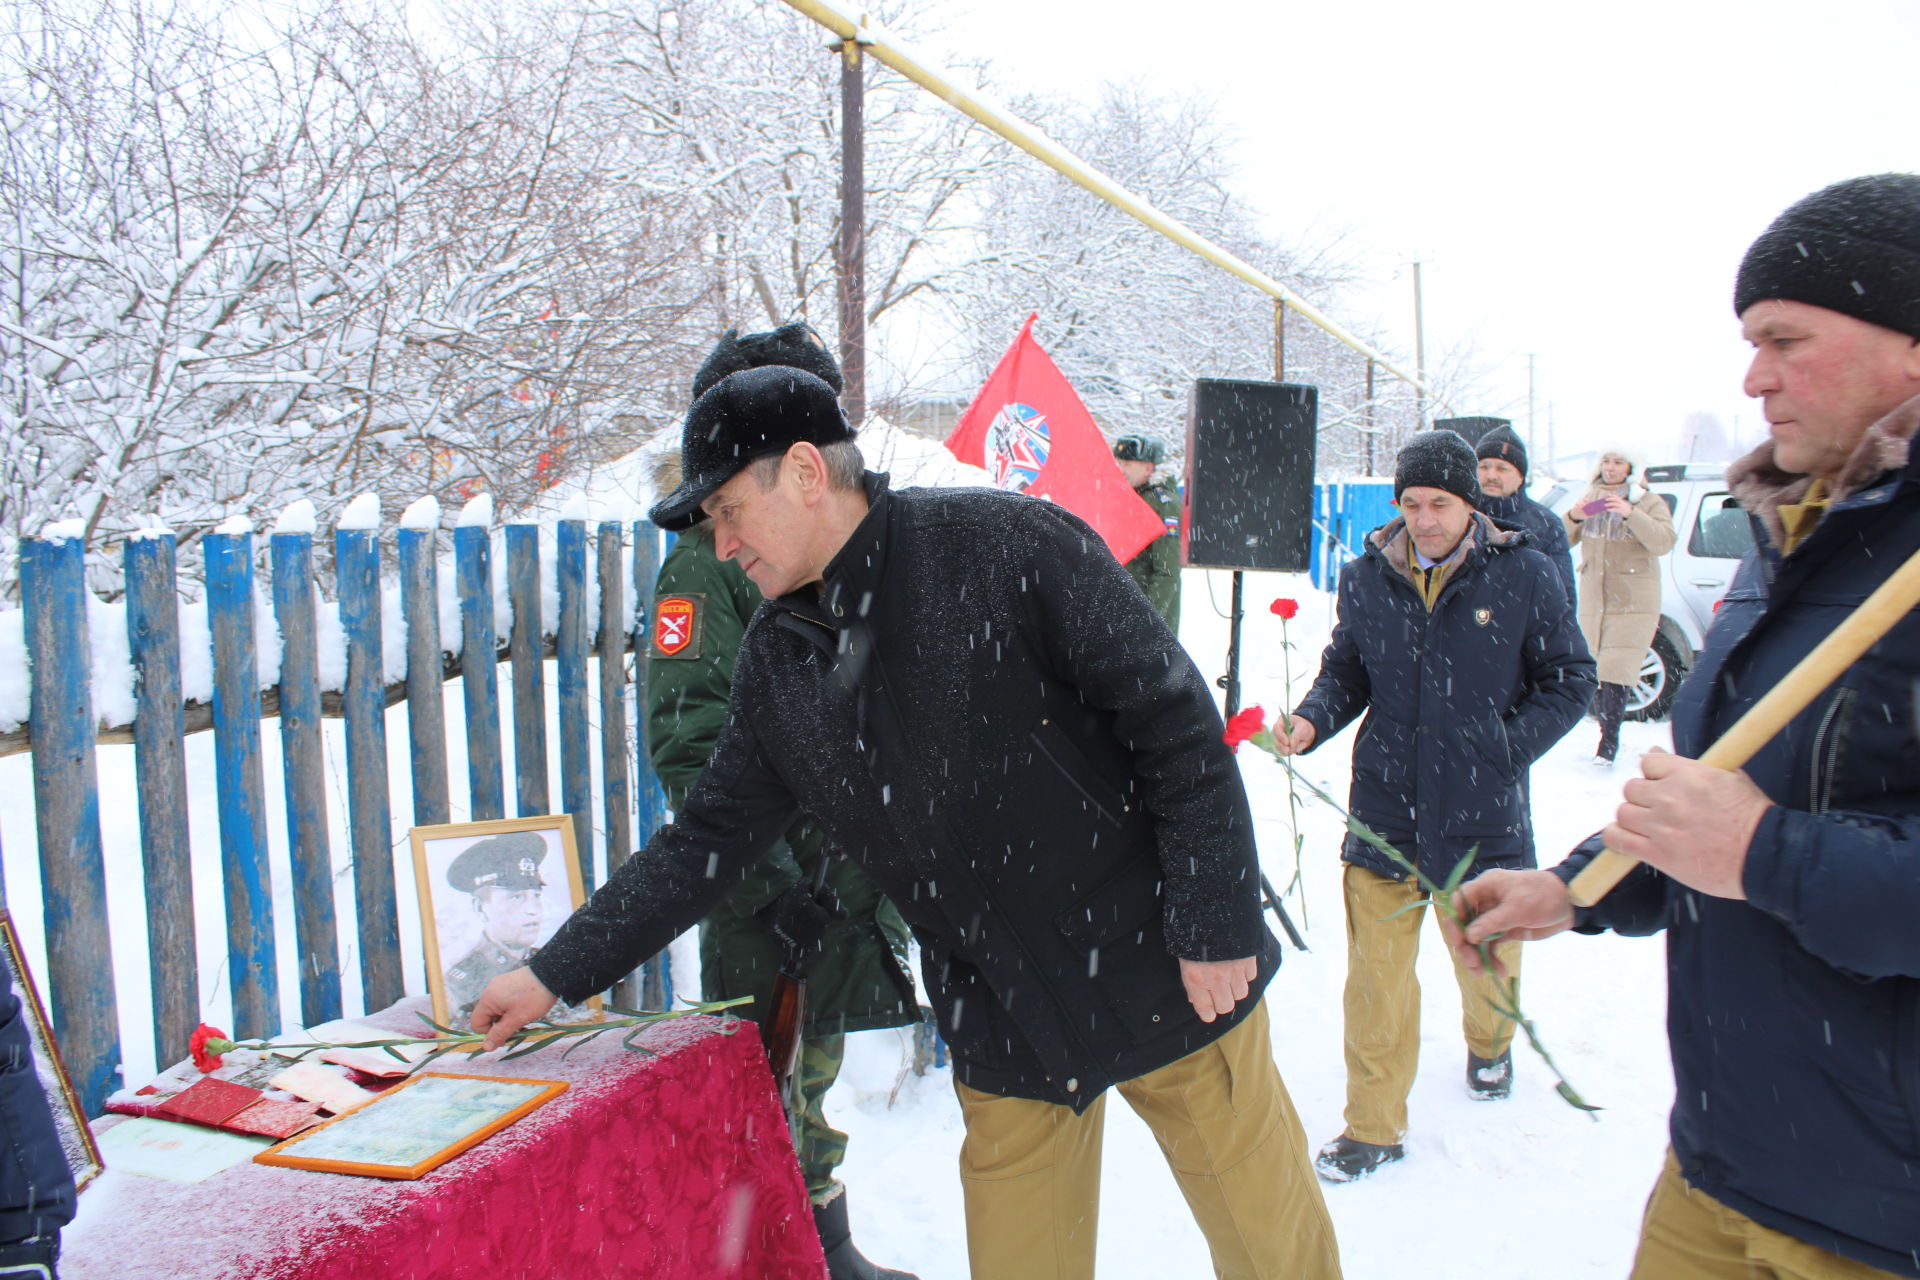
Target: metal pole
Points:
(853, 224)
(1530, 437)
(1369, 417)
(893, 52)
(1419, 354)
(1279, 340)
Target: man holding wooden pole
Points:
(1790, 889)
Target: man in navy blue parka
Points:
(1790, 890)
(1459, 643)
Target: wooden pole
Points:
(1861, 630)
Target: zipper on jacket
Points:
(1826, 754)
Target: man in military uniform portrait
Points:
(1157, 567)
(502, 873)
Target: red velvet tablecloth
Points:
(676, 1164)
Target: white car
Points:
(1694, 576)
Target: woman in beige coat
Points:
(1620, 538)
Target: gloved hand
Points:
(799, 918)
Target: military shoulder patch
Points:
(678, 620)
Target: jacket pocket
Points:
(1829, 739)
(1487, 741)
(1129, 904)
(1095, 791)
(1117, 929)
(1383, 764)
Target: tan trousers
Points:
(1383, 1003)
(1031, 1170)
(1688, 1235)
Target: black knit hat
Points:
(1438, 460)
(744, 416)
(1853, 247)
(1503, 444)
(795, 345)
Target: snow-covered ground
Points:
(1527, 1188)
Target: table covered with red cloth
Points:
(662, 1165)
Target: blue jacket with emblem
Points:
(1795, 1016)
(1460, 699)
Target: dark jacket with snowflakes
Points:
(982, 709)
(1544, 531)
(1794, 1016)
(1460, 699)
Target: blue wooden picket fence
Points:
(1344, 512)
(62, 730)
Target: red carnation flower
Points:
(1285, 608)
(206, 1045)
(1243, 725)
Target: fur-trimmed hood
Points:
(1390, 540)
(1764, 488)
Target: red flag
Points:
(1028, 428)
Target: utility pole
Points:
(1530, 440)
(1369, 427)
(1419, 354)
(853, 231)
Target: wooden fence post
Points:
(479, 681)
(357, 568)
(240, 787)
(66, 801)
(159, 755)
(615, 797)
(655, 986)
(303, 761)
(528, 653)
(570, 644)
(426, 704)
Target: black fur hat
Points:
(744, 416)
(1438, 460)
(1502, 443)
(1853, 247)
(795, 345)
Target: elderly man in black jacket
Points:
(974, 700)
(1790, 890)
(1460, 644)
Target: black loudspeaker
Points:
(1471, 428)
(1250, 456)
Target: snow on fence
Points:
(297, 675)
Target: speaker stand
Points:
(1231, 683)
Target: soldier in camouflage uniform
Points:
(1157, 567)
(860, 981)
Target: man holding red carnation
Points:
(1459, 643)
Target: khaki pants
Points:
(1383, 1003)
(1031, 1170)
(1688, 1235)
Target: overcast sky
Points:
(1579, 181)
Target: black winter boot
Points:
(1349, 1159)
(1489, 1079)
(1612, 705)
(836, 1241)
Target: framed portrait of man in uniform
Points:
(491, 894)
